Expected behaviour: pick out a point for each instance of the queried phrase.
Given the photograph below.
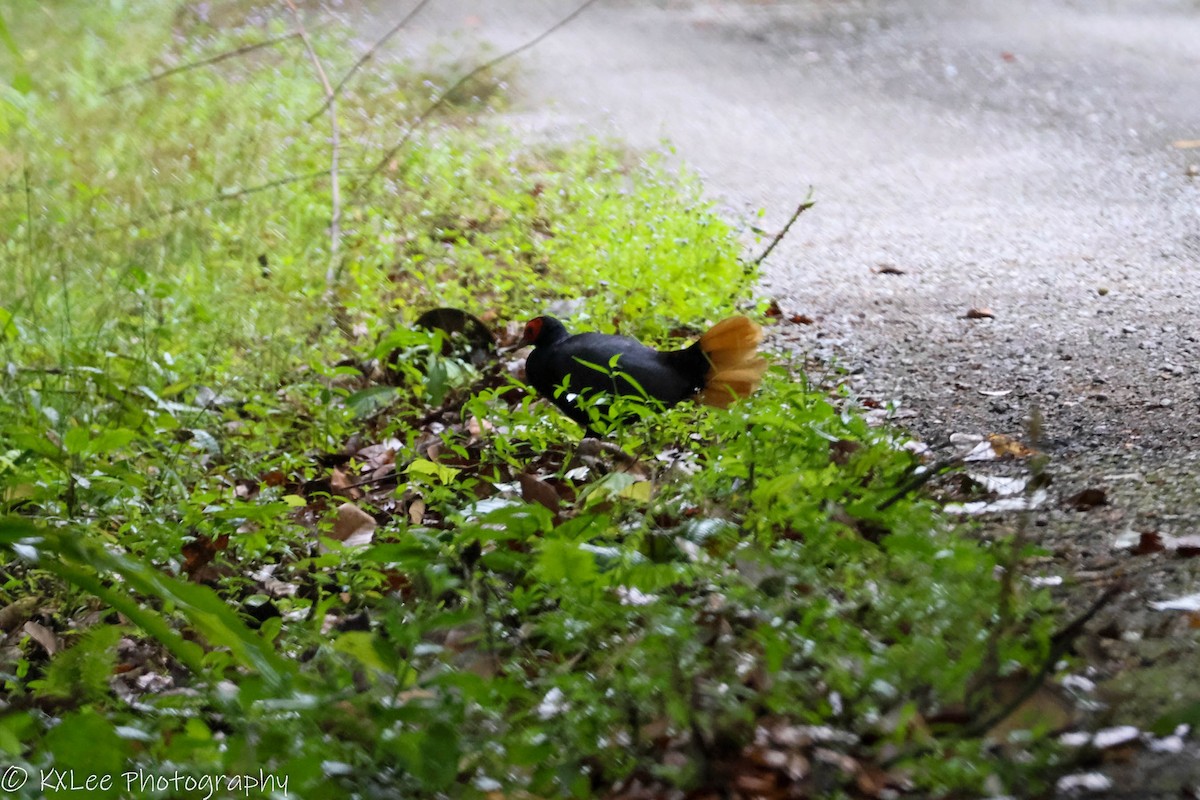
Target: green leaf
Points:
(437, 380)
(203, 440)
(22, 80)
(88, 744)
(618, 485)
(403, 554)
(1187, 715)
(440, 472)
(368, 401)
(562, 560)
(515, 521)
(74, 557)
(431, 754)
(110, 441)
(82, 670)
(14, 530)
(75, 441)
(16, 729)
(366, 648)
(8, 326)
(638, 491)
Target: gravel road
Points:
(1034, 158)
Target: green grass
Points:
(186, 399)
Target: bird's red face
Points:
(533, 329)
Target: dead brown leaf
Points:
(536, 490)
(462, 638)
(842, 450)
(416, 511)
(274, 478)
(1187, 546)
(888, 269)
(476, 427)
(1149, 542)
(872, 781)
(757, 785)
(657, 730)
(1003, 445)
(1088, 498)
(353, 526)
(379, 455)
(199, 553)
(979, 313)
(339, 481)
(43, 636)
(1046, 708)
(801, 319)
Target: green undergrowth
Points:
(259, 523)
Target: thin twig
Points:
(233, 194)
(805, 205)
(335, 189)
(444, 96)
(1060, 642)
(237, 51)
(365, 57)
(391, 474)
(1063, 637)
(919, 479)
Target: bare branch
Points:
(805, 205)
(1060, 643)
(232, 194)
(918, 479)
(238, 51)
(335, 192)
(367, 56)
(445, 95)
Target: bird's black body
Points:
(585, 363)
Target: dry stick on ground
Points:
(237, 51)
(335, 215)
(805, 205)
(367, 56)
(444, 96)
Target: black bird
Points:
(718, 369)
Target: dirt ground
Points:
(1035, 160)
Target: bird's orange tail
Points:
(736, 368)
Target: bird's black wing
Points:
(587, 359)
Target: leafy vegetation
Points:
(259, 522)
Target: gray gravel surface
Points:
(1015, 156)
